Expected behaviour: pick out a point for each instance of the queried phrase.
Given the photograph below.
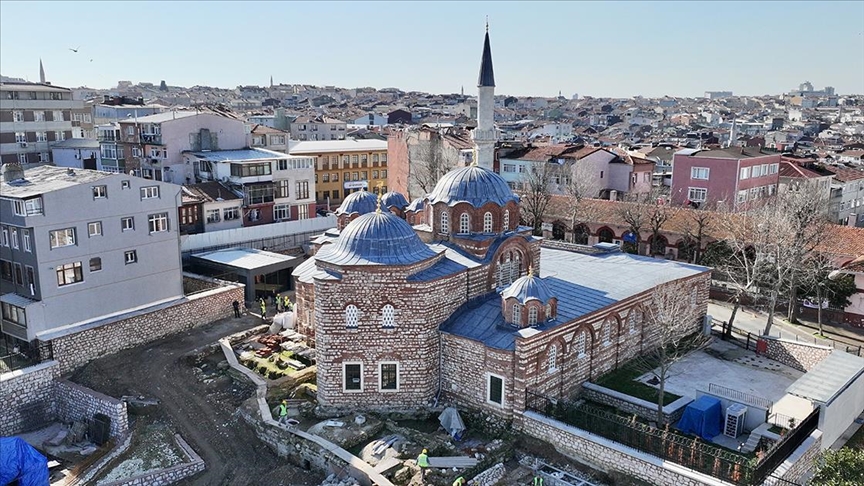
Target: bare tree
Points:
(579, 186)
(647, 211)
(673, 319)
(697, 222)
(537, 193)
(427, 159)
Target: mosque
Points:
(462, 306)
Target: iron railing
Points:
(781, 451)
(739, 396)
(28, 355)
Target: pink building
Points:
(736, 176)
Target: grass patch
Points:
(776, 429)
(623, 380)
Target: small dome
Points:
(393, 198)
(377, 238)
(528, 288)
(474, 185)
(416, 205)
(360, 202)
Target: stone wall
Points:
(75, 402)
(170, 475)
(74, 350)
(92, 471)
(798, 355)
(26, 397)
(606, 455)
(632, 405)
(192, 283)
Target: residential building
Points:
(266, 120)
(419, 155)
(317, 128)
(209, 206)
(796, 175)
(112, 153)
(32, 118)
(372, 120)
(399, 116)
(846, 203)
(345, 166)
(77, 153)
(274, 186)
(153, 145)
(269, 138)
(79, 246)
(113, 109)
(736, 176)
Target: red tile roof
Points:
(790, 169)
(843, 174)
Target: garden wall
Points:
(75, 402)
(798, 355)
(171, 475)
(26, 397)
(636, 406)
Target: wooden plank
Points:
(453, 461)
(387, 464)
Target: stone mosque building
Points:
(462, 306)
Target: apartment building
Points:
(33, 117)
(846, 199)
(345, 166)
(274, 186)
(269, 138)
(209, 206)
(736, 176)
(78, 246)
(153, 146)
(318, 128)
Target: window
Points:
(39, 116)
(607, 333)
(697, 194)
(355, 176)
(260, 194)
(130, 256)
(41, 136)
(231, 213)
(579, 344)
(31, 278)
(58, 115)
(506, 220)
(772, 169)
(22, 158)
(25, 239)
(5, 237)
(352, 316)
(95, 264)
(445, 222)
(94, 228)
(384, 172)
(20, 137)
(375, 160)
(487, 223)
(19, 274)
(6, 270)
(464, 223)
(495, 390)
(13, 236)
(158, 222)
(384, 159)
(100, 192)
(69, 273)
(127, 224)
(745, 173)
(150, 192)
(388, 317)
(700, 173)
(552, 359)
(302, 189)
(213, 216)
(742, 196)
(325, 177)
(250, 170)
(302, 211)
(282, 212)
(516, 314)
(353, 373)
(509, 167)
(59, 136)
(61, 238)
(634, 319)
(389, 376)
(14, 314)
(334, 177)
(354, 159)
(18, 116)
(110, 151)
(44, 157)
(532, 316)
(335, 194)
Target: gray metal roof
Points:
(474, 185)
(240, 155)
(528, 288)
(360, 202)
(76, 143)
(48, 178)
(307, 271)
(163, 117)
(17, 300)
(825, 381)
(245, 258)
(416, 205)
(582, 283)
(378, 238)
(393, 198)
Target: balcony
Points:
(151, 138)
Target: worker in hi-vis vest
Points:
(423, 463)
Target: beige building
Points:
(318, 128)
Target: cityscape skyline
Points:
(623, 59)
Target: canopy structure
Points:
(452, 422)
(251, 266)
(703, 417)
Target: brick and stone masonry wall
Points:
(801, 356)
(641, 408)
(607, 455)
(192, 283)
(75, 402)
(74, 350)
(26, 397)
(799, 463)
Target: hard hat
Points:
(424, 451)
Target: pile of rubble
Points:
(333, 480)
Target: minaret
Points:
(733, 134)
(484, 135)
(41, 72)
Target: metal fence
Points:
(739, 396)
(747, 339)
(786, 446)
(689, 452)
(28, 355)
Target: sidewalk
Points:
(752, 321)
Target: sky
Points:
(606, 49)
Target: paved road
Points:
(203, 413)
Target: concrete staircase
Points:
(753, 440)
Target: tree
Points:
(696, 223)
(672, 314)
(427, 160)
(647, 211)
(579, 186)
(537, 192)
(844, 467)
(820, 281)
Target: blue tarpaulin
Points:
(703, 417)
(19, 460)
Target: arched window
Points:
(506, 220)
(634, 320)
(445, 222)
(579, 344)
(552, 358)
(388, 317)
(532, 315)
(515, 266)
(464, 223)
(352, 316)
(487, 223)
(548, 312)
(607, 333)
(517, 315)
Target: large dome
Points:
(528, 288)
(393, 199)
(360, 202)
(377, 238)
(474, 185)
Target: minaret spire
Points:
(41, 72)
(484, 135)
(487, 74)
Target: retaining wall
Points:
(170, 475)
(798, 355)
(75, 402)
(633, 405)
(26, 397)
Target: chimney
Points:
(12, 171)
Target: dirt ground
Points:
(201, 412)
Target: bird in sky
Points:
(75, 50)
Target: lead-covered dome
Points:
(360, 202)
(528, 288)
(474, 185)
(377, 238)
(392, 199)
